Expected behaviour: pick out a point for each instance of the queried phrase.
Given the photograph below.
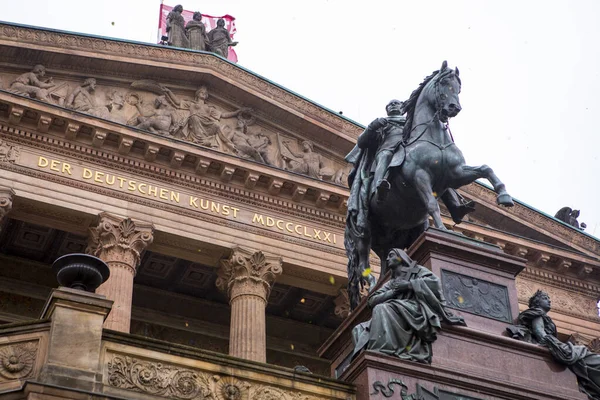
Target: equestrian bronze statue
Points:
(402, 165)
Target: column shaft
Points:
(119, 289)
(247, 337)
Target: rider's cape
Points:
(361, 176)
(359, 181)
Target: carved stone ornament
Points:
(172, 381)
(17, 360)
(342, 304)
(6, 201)
(120, 241)
(342, 301)
(248, 272)
(396, 386)
(9, 152)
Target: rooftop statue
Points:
(413, 161)
(220, 40)
(196, 33)
(176, 28)
(569, 216)
(407, 312)
(535, 326)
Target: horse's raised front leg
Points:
(422, 182)
(466, 174)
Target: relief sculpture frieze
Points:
(153, 107)
(165, 380)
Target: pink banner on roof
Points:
(209, 21)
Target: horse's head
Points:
(444, 91)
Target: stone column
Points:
(247, 277)
(6, 201)
(118, 242)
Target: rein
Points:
(439, 106)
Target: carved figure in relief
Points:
(176, 28)
(536, 326)
(157, 121)
(407, 312)
(8, 153)
(307, 162)
(220, 40)
(33, 84)
(340, 176)
(196, 33)
(203, 125)
(262, 143)
(242, 143)
(83, 99)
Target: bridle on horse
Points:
(439, 105)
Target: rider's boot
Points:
(457, 205)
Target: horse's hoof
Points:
(504, 199)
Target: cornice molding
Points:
(525, 215)
(560, 281)
(163, 174)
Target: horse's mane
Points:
(410, 105)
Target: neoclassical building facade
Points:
(217, 198)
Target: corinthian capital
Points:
(120, 241)
(247, 272)
(6, 201)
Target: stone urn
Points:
(80, 271)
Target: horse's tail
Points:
(356, 280)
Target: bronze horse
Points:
(425, 166)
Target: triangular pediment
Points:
(156, 90)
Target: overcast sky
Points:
(530, 71)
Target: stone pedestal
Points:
(478, 278)
(474, 362)
(118, 242)
(75, 341)
(247, 278)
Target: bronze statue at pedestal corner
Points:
(407, 312)
(220, 40)
(196, 33)
(569, 216)
(426, 164)
(535, 326)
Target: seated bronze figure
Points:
(408, 311)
